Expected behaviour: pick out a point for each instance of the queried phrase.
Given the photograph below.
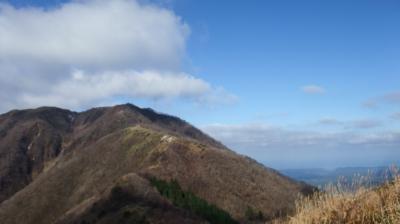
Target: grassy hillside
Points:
(340, 205)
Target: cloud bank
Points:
(283, 147)
(352, 124)
(82, 88)
(91, 51)
(261, 135)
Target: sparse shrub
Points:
(260, 215)
(252, 215)
(101, 214)
(127, 214)
(359, 205)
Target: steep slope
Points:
(131, 200)
(28, 141)
(59, 160)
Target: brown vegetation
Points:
(42, 180)
(339, 205)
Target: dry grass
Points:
(357, 204)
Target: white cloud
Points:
(256, 135)
(370, 104)
(329, 121)
(90, 51)
(83, 88)
(393, 97)
(313, 89)
(94, 33)
(284, 147)
(388, 98)
(365, 123)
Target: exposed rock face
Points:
(62, 166)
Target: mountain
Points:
(99, 166)
(321, 177)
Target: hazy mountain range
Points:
(321, 177)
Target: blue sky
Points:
(290, 83)
(265, 51)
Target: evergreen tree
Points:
(187, 200)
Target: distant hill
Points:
(99, 166)
(322, 177)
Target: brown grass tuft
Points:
(358, 204)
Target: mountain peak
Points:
(61, 161)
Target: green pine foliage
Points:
(189, 201)
(253, 215)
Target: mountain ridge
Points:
(55, 160)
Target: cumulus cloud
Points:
(313, 89)
(90, 51)
(83, 88)
(94, 33)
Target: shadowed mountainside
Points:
(58, 166)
